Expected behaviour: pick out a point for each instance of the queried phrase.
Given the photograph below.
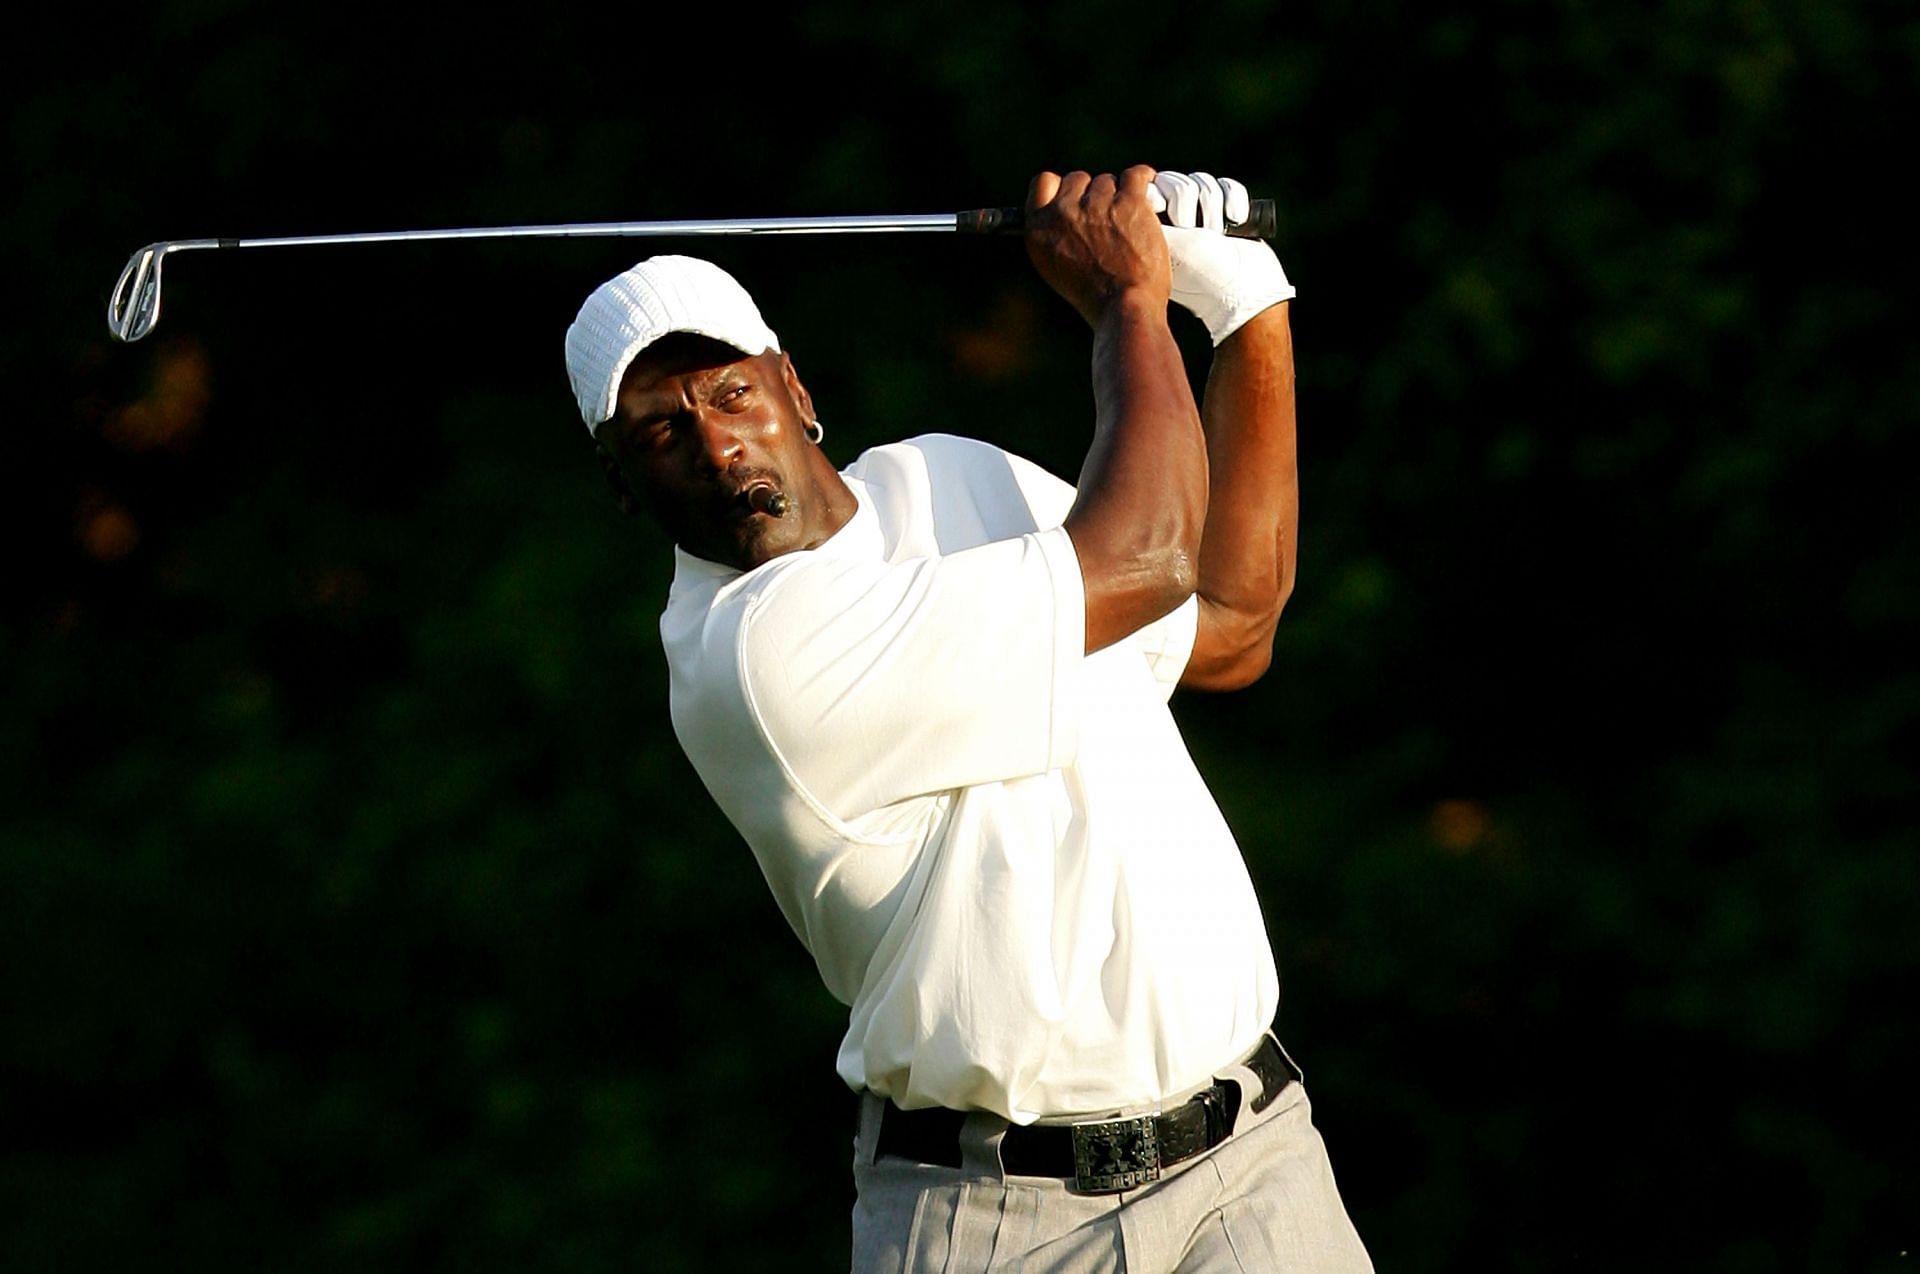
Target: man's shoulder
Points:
(926, 451)
(971, 490)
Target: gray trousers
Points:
(1262, 1200)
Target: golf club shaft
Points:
(920, 223)
(1259, 224)
(134, 307)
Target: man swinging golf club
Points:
(930, 690)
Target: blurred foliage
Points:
(358, 910)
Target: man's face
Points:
(696, 426)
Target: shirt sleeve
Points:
(1167, 644)
(874, 682)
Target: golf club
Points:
(134, 307)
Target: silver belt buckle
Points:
(1115, 1154)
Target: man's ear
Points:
(616, 480)
(795, 390)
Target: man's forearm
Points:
(1248, 548)
(1138, 520)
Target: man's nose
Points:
(719, 446)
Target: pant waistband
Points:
(1100, 1155)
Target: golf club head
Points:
(135, 305)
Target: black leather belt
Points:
(1103, 1155)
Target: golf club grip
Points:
(1263, 221)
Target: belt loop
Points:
(866, 1129)
(980, 1137)
(1233, 1100)
(1214, 1102)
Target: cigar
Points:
(768, 501)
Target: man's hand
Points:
(1096, 239)
(1223, 281)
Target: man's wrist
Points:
(1262, 324)
(1133, 303)
(1235, 310)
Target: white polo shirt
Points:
(994, 846)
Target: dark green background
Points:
(357, 909)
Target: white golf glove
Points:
(1223, 281)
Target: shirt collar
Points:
(858, 538)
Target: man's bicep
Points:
(876, 682)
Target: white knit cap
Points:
(631, 311)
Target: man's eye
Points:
(733, 396)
